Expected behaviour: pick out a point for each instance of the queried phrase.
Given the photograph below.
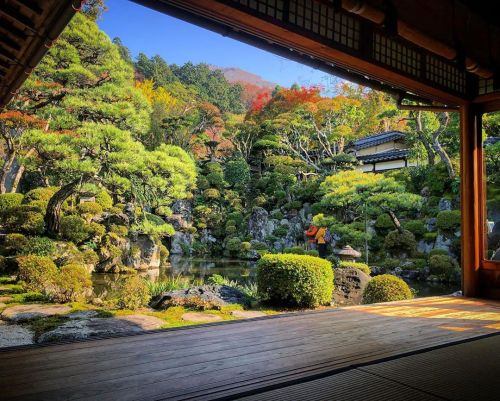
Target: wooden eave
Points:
(27, 30)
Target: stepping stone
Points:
(247, 314)
(6, 299)
(145, 322)
(78, 329)
(83, 314)
(2, 305)
(19, 313)
(12, 335)
(200, 317)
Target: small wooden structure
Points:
(348, 254)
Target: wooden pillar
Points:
(470, 129)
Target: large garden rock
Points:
(109, 260)
(21, 313)
(349, 286)
(144, 253)
(77, 329)
(445, 204)
(180, 241)
(119, 219)
(442, 242)
(12, 335)
(201, 297)
(258, 224)
(424, 246)
(183, 208)
(200, 317)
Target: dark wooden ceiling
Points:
(27, 30)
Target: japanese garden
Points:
(137, 194)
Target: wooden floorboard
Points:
(462, 372)
(219, 360)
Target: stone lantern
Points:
(348, 254)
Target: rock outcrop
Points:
(201, 297)
(349, 286)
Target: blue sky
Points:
(144, 30)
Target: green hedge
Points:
(356, 265)
(386, 288)
(295, 280)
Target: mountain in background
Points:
(254, 86)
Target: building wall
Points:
(386, 165)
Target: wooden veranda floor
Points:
(237, 359)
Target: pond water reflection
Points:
(242, 271)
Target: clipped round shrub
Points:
(133, 293)
(233, 245)
(246, 246)
(216, 180)
(398, 243)
(104, 199)
(96, 230)
(119, 229)
(297, 250)
(237, 173)
(8, 202)
(386, 288)
(38, 273)
(356, 265)
(438, 251)
(295, 280)
(211, 194)
(89, 257)
(443, 266)
(260, 200)
(311, 252)
(281, 231)
(416, 227)
(89, 209)
(73, 283)
(259, 246)
(14, 242)
(40, 246)
(40, 194)
(384, 221)
(27, 219)
(75, 229)
(448, 220)
(276, 214)
(293, 205)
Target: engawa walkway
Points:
(233, 360)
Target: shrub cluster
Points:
(448, 220)
(295, 280)
(386, 288)
(356, 265)
(133, 293)
(443, 266)
(398, 243)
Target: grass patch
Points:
(7, 280)
(44, 324)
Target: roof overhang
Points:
(27, 30)
(435, 51)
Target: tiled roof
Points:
(376, 139)
(396, 154)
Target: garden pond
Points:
(242, 271)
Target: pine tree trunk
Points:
(395, 221)
(20, 173)
(53, 213)
(443, 120)
(4, 172)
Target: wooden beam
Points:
(470, 130)
(267, 31)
